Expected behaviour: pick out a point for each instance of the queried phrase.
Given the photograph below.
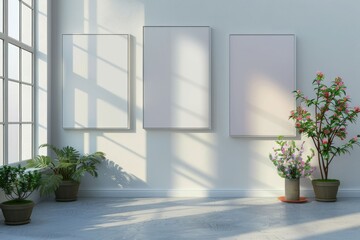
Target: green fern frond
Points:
(49, 183)
(39, 161)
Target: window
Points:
(16, 80)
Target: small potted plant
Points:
(325, 119)
(65, 171)
(290, 165)
(18, 184)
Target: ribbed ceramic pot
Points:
(17, 214)
(292, 189)
(325, 190)
(67, 191)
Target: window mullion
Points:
(5, 66)
(6, 17)
(20, 99)
(33, 72)
(20, 21)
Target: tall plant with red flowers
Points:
(328, 120)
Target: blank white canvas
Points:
(262, 79)
(95, 81)
(177, 84)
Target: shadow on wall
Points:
(113, 175)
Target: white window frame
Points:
(6, 41)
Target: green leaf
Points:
(49, 183)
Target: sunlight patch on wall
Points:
(81, 113)
(263, 92)
(194, 161)
(188, 74)
(80, 53)
(41, 76)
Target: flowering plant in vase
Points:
(292, 166)
(289, 161)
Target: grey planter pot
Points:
(67, 191)
(325, 191)
(17, 214)
(292, 189)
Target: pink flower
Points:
(319, 74)
(308, 117)
(338, 79)
(325, 141)
(355, 139)
(357, 109)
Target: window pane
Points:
(26, 142)
(28, 2)
(26, 98)
(14, 17)
(1, 58)
(13, 143)
(13, 63)
(26, 66)
(1, 145)
(1, 101)
(26, 23)
(13, 103)
(1, 15)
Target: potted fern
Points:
(65, 171)
(18, 184)
(325, 119)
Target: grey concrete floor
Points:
(179, 218)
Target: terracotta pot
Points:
(17, 213)
(325, 190)
(292, 189)
(67, 191)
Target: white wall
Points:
(206, 163)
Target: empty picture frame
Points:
(177, 82)
(96, 81)
(262, 79)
